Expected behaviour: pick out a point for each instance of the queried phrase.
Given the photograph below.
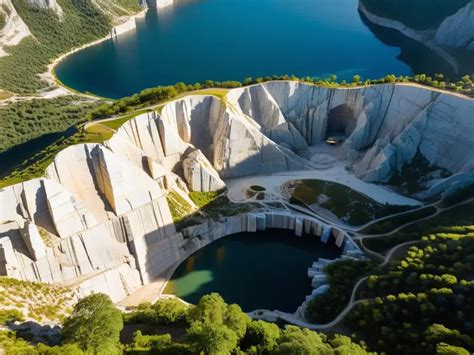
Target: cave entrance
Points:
(340, 125)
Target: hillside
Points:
(80, 22)
(416, 14)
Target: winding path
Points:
(290, 318)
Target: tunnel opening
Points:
(340, 124)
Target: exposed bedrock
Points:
(99, 219)
(14, 29)
(385, 125)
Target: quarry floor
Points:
(336, 173)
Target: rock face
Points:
(200, 174)
(48, 4)
(391, 123)
(14, 30)
(457, 31)
(100, 220)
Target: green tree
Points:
(446, 349)
(169, 311)
(212, 309)
(212, 338)
(356, 79)
(297, 341)
(262, 335)
(94, 325)
(236, 320)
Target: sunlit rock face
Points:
(99, 219)
(14, 29)
(385, 125)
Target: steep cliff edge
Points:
(99, 219)
(14, 30)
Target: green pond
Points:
(266, 269)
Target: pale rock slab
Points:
(200, 174)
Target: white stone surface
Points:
(14, 30)
(200, 174)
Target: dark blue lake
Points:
(233, 39)
(266, 269)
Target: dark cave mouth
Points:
(341, 123)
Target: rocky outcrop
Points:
(159, 4)
(99, 219)
(200, 174)
(126, 26)
(391, 123)
(457, 31)
(48, 4)
(14, 30)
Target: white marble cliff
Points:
(14, 30)
(99, 218)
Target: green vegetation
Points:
(153, 96)
(82, 23)
(11, 344)
(202, 199)
(423, 302)
(94, 325)
(26, 120)
(342, 276)
(179, 207)
(21, 300)
(389, 224)
(214, 327)
(3, 20)
(211, 205)
(413, 175)
(462, 215)
(163, 312)
(346, 204)
(10, 315)
(417, 14)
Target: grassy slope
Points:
(417, 14)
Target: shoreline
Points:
(423, 37)
(50, 76)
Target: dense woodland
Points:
(423, 300)
(26, 120)
(82, 22)
(211, 327)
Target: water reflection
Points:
(418, 57)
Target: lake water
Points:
(234, 39)
(267, 269)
